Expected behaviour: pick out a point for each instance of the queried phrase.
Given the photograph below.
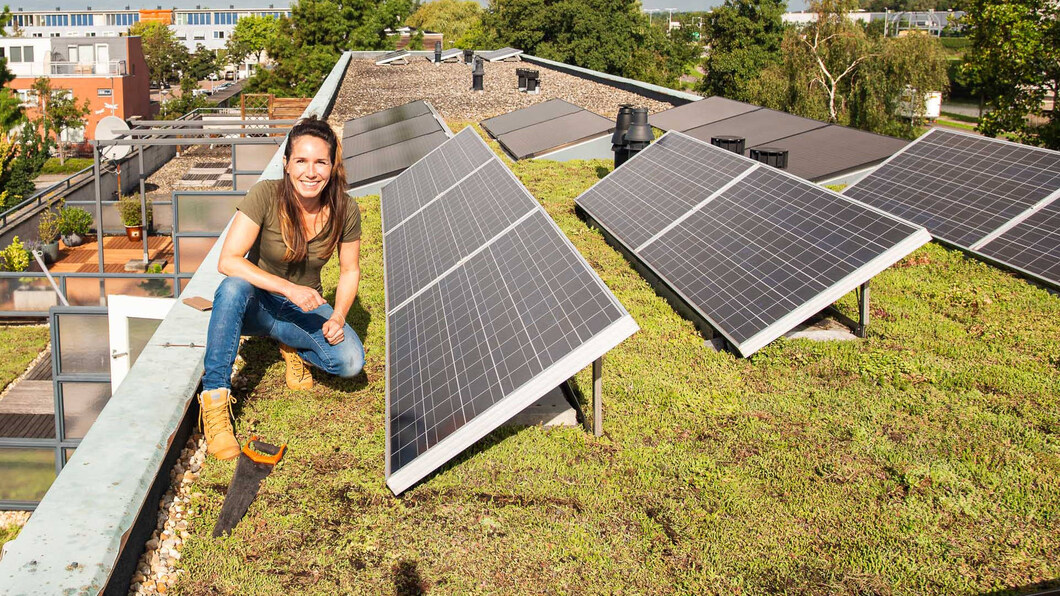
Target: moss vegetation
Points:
(22, 343)
(924, 459)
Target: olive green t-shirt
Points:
(261, 205)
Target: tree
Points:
(745, 37)
(60, 112)
(187, 101)
(1013, 64)
(31, 153)
(165, 55)
(612, 36)
(201, 64)
(10, 106)
(452, 18)
(250, 37)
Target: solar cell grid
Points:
(384, 118)
(384, 136)
(1032, 245)
(959, 186)
(442, 168)
(535, 114)
(386, 162)
(635, 206)
(542, 138)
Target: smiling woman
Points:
(290, 228)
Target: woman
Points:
(290, 228)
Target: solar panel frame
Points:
(699, 112)
(384, 136)
(758, 127)
(529, 116)
(369, 122)
(384, 143)
(545, 137)
(393, 56)
(1030, 246)
(832, 151)
(561, 364)
(498, 55)
(750, 344)
(390, 161)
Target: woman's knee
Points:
(351, 360)
(233, 289)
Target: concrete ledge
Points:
(87, 521)
(656, 92)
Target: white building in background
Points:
(208, 27)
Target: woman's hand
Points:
(333, 330)
(303, 297)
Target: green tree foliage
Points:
(60, 111)
(1013, 64)
(913, 63)
(187, 101)
(912, 5)
(165, 55)
(745, 36)
(202, 63)
(452, 18)
(306, 45)
(250, 37)
(30, 154)
(10, 108)
(612, 36)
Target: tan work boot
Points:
(215, 407)
(298, 375)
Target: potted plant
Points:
(74, 224)
(129, 208)
(48, 230)
(14, 257)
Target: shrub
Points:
(14, 257)
(48, 226)
(74, 220)
(129, 207)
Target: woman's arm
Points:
(346, 292)
(233, 263)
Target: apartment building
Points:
(110, 73)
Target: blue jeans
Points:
(239, 308)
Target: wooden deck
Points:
(117, 250)
(27, 411)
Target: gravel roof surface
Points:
(369, 88)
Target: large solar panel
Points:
(489, 306)
(752, 250)
(450, 54)
(1032, 245)
(961, 187)
(817, 151)
(546, 127)
(392, 57)
(381, 145)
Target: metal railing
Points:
(90, 69)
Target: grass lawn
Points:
(72, 165)
(22, 343)
(924, 459)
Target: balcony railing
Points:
(94, 69)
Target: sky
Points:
(680, 5)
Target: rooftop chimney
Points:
(618, 140)
(771, 156)
(477, 74)
(469, 56)
(437, 52)
(729, 143)
(520, 73)
(533, 80)
(639, 135)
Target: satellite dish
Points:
(108, 128)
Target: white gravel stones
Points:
(157, 569)
(369, 88)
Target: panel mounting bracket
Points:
(863, 310)
(598, 401)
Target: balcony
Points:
(113, 68)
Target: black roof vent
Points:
(469, 56)
(625, 116)
(477, 75)
(771, 156)
(437, 52)
(639, 135)
(729, 143)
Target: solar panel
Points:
(1031, 246)
(535, 114)
(961, 187)
(391, 57)
(498, 55)
(546, 127)
(451, 54)
(834, 151)
(381, 145)
(489, 306)
(752, 250)
(385, 118)
(760, 127)
(698, 113)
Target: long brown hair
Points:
(332, 196)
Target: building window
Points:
(200, 36)
(20, 54)
(56, 20)
(102, 92)
(194, 18)
(27, 98)
(218, 34)
(81, 20)
(224, 18)
(53, 35)
(122, 20)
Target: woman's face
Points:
(309, 166)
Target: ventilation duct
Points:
(437, 52)
(521, 74)
(729, 143)
(477, 74)
(639, 135)
(469, 56)
(533, 81)
(771, 156)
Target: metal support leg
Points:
(99, 223)
(598, 402)
(863, 310)
(143, 206)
